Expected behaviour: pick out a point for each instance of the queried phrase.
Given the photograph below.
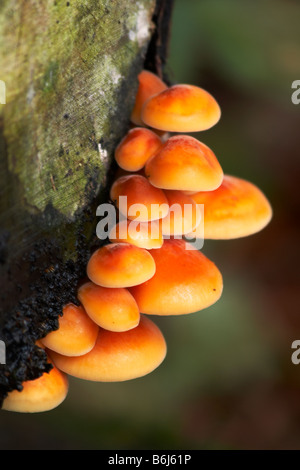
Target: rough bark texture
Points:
(70, 70)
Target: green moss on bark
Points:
(64, 66)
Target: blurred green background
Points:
(228, 381)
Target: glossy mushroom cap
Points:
(120, 265)
(146, 235)
(236, 209)
(181, 108)
(42, 394)
(183, 163)
(136, 148)
(119, 356)
(112, 309)
(183, 214)
(141, 201)
(185, 281)
(149, 85)
(76, 334)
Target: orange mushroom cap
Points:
(181, 108)
(112, 309)
(41, 394)
(146, 235)
(120, 265)
(183, 163)
(236, 209)
(185, 281)
(183, 214)
(136, 148)
(149, 85)
(118, 356)
(76, 334)
(143, 202)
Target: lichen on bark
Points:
(66, 65)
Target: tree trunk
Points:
(70, 70)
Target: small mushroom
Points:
(181, 108)
(236, 209)
(120, 265)
(76, 334)
(146, 235)
(112, 309)
(185, 281)
(136, 148)
(118, 356)
(139, 200)
(149, 85)
(183, 163)
(183, 214)
(42, 394)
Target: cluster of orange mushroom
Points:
(148, 267)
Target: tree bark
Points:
(70, 70)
